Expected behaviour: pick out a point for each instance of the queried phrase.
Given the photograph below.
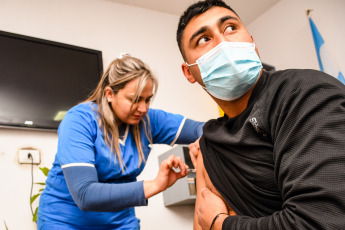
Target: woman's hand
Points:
(166, 176)
(194, 149)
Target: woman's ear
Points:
(187, 73)
(109, 94)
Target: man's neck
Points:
(236, 107)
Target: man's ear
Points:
(256, 47)
(187, 73)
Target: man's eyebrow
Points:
(204, 28)
(225, 18)
(200, 31)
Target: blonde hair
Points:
(116, 76)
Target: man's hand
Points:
(210, 205)
(194, 149)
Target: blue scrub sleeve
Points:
(91, 195)
(190, 132)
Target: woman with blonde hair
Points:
(103, 146)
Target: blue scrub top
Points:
(81, 142)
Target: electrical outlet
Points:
(24, 156)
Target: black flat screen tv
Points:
(40, 80)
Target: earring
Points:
(108, 100)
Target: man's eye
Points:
(229, 29)
(202, 40)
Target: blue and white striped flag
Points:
(326, 61)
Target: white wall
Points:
(111, 28)
(282, 35)
(15, 179)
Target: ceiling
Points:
(248, 10)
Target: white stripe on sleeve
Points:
(77, 164)
(178, 131)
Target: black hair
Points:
(194, 10)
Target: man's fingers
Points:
(194, 151)
(193, 158)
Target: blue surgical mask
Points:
(230, 69)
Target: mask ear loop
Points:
(204, 88)
(189, 65)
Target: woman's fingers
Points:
(168, 163)
(175, 162)
(179, 164)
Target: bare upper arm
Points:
(202, 181)
(202, 178)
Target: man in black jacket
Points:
(276, 160)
